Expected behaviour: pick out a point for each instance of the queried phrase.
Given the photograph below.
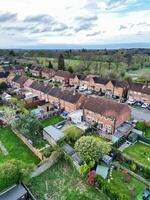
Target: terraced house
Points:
(108, 114)
(69, 100)
(19, 81)
(48, 73)
(98, 84)
(139, 92)
(63, 76)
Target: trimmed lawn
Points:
(62, 182)
(52, 121)
(16, 148)
(140, 153)
(126, 187)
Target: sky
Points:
(50, 23)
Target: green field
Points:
(126, 187)
(140, 153)
(62, 182)
(52, 121)
(16, 148)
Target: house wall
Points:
(108, 123)
(138, 96)
(74, 81)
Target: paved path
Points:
(3, 149)
(140, 114)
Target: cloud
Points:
(5, 17)
(13, 28)
(60, 27)
(40, 19)
(94, 33)
(85, 22)
(122, 27)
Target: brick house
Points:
(48, 73)
(63, 76)
(18, 69)
(18, 81)
(69, 100)
(108, 114)
(117, 88)
(27, 83)
(35, 70)
(77, 79)
(40, 89)
(139, 92)
(98, 84)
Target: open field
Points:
(63, 183)
(16, 148)
(126, 187)
(52, 121)
(140, 153)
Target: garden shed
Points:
(102, 171)
(16, 192)
(52, 134)
(107, 159)
(133, 137)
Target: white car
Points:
(145, 105)
(131, 101)
(82, 89)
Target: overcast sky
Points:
(42, 22)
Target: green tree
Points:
(12, 53)
(3, 87)
(12, 172)
(61, 62)
(27, 123)
(50, 65)
(91, 148)
(70, 69)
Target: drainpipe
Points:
(114, 126)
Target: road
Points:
(140, 114)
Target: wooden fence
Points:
(33, 149)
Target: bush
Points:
(12, 172)
(47, 152)
(91, 177)
(72, 134)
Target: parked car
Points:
(88, 92)
(131, 101)
(145, 105)
(59, 126)
(115, 97)
(139, 103)
(82, 88)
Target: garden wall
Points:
(34, 150)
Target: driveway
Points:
(140, 114)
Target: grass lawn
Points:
(52, 121)
(124, 187)
(63, 183)
(16, 148)
(73, 129)
(140, 153)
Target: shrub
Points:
(91, 177)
